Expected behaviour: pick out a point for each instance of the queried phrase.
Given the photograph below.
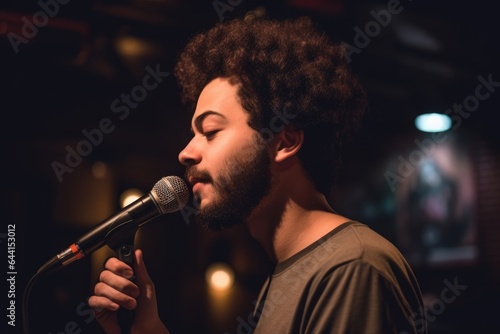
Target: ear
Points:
(288, 143)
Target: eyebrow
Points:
(200, 118)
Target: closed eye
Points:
(210, 134)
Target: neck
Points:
(287, 223)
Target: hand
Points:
(115, 290)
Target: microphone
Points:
(168, 195)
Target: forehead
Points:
(221, 96)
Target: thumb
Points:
(147, 294)
(147, 319)
(141, 273)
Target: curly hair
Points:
(281, 66)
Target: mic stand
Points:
(124, 247)
(126, 254)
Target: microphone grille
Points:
(171, 194)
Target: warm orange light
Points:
(220, 276)
(129, 196)
(99, 170)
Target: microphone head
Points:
(170, 193)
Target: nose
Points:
(190, 155)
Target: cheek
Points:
(233, 146)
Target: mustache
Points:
(199, 175)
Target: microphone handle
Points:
(126, 253)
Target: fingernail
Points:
(128, 273)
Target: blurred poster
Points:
(435, 208)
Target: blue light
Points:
(433, 122)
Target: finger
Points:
(104, 313)
(116, 296)
(141, 271)
(119, 267)
(144, 281)
(98, 304)
(119, 283)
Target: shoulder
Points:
(356, 241)
(357, 244)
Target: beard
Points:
(241, 185)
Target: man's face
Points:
(227, 163)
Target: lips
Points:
(194, 176)
(195, 181)
(197, 178)
(197, 186)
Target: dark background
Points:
(64, 78)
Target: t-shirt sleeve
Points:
(355, 298)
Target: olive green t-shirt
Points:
(350, 281)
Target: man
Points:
(274, 104)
